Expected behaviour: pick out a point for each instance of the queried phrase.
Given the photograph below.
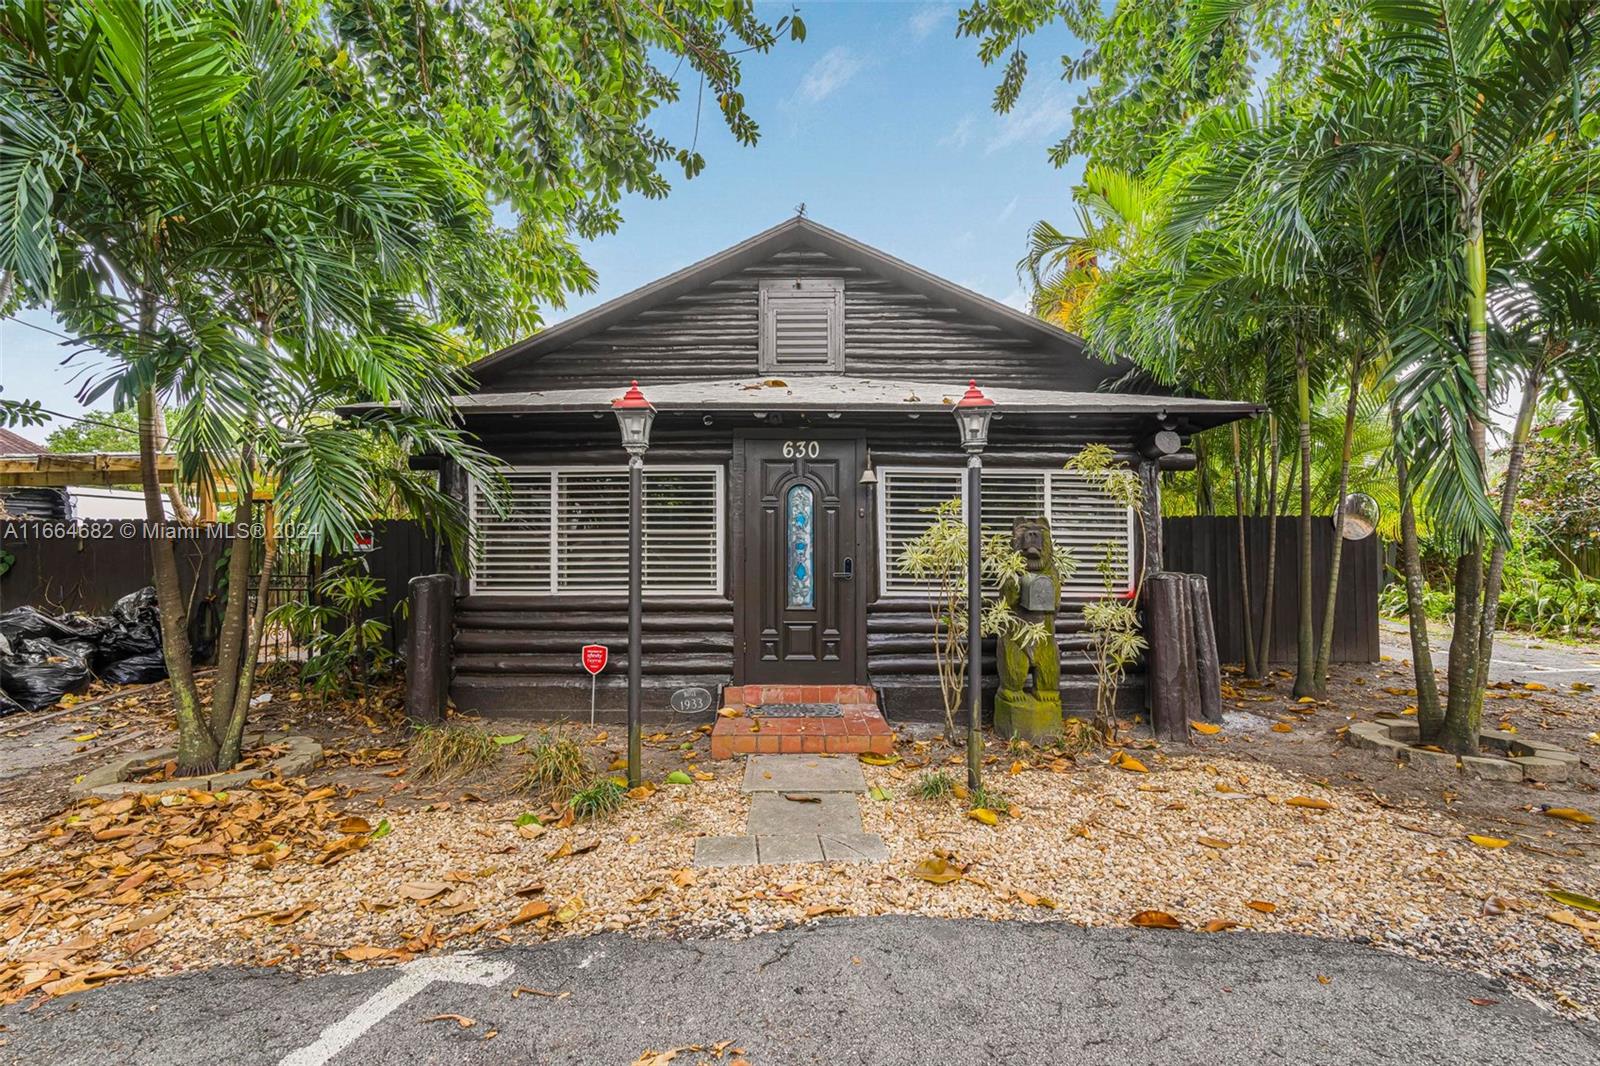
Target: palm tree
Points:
(183, 192)
(1457, 93)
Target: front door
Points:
(801, 599)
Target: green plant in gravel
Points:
(934, 785)
(598, 799)
(557, 769)
(987, 798)
(449, 751)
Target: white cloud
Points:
(830, 73)
(1018, 298)
(1008, 210)
(960, 134)
(1038, 123)
(926, 20)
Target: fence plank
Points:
(1210, 546)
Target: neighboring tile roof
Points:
(14, 444)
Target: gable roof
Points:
(16, 444)
(795, 233)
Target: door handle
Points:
(849, 570)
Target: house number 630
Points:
(801, 449)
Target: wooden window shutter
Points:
(802, 325)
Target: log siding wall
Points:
(520, 653)
(714, 334)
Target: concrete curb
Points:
(108, 782)
(1395, 738)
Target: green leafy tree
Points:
(109, 431)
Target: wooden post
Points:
(430, 630)
(1208, 665)
(1170, 675)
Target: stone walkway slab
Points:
(853, 847)
(725, 851)
(789, 848)
(802, 773)
(833, 812)
(823, 826)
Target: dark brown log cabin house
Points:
(799, 377)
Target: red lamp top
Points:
(633, 398)
(974, 396)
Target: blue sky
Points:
(879, 122)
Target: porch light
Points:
(634, 414)
(973, 412)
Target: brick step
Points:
(860, 727)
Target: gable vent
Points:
(802, 325)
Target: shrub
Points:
(558, 768)
(599, 799)
(934, 785)
(449, 751)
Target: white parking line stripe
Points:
(461, 969)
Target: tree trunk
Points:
(197, 747)
(1430, 719)
(180, 506)
(1508, 505)
(1305, 683)
(235, 612)
(1463, 704)
(1269, 598)
(231, 741)
(1250, 667)
(1331, 601)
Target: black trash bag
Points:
(39, 649)
(136, 669)
(23, 622)
(135, 630)
(136, 607)
(35, 681)
(9, 705)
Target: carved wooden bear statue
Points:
(1028, 704)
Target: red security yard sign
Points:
(594, 660)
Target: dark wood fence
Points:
(57, 567)
(88, 566)
(401, 550)
(1210, 546)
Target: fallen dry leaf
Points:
(1155, 920)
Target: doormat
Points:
(797, 710)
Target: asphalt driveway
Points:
(876, 991)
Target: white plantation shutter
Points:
(567, 532)
(906, 502)
(1083, 520)
(512, 552)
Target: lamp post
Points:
(634, 415)
(972, 417)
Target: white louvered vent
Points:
(567, 532)
(802, 325)
(1083, 520)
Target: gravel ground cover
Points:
(365, 870)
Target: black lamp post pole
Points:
(634, 415)
(974, 621)
(635, 609)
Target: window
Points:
(802, 325)
(566, 531)
(1083, 520)
(802, 586)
